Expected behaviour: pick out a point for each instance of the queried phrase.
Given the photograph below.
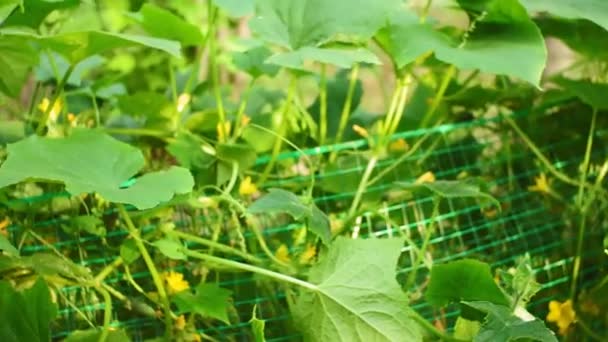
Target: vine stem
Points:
(411, 278)
(323, 105)
(56, 95)
(346, 109)
(579, 202)
(447, 77)
(398, 114)
(362, 186)
(215, 245)
(431, 329)
(158, 282)
(238, 121)
(107, 314)
(107, 271)
(282, 131)
(254, 269)
(214, 14)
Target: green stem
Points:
(346, 109)
(107, 271)
(392, 108)
(400, 106)
(254, 269)
(137, 132)
(238, 124)
(278, 143)
(432, 330)
(33, 100)
(58, 91)
(579, 202)
(107, 314)
(233, 177)
(447, 77)
(323, 106)
(158, 282)
(411, 278)
(362, 186)
(260, 237)
(216, 245)
(214, 14)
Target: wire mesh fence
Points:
(483, 147)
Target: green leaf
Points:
(93, 335)
(356, 295)
(171, 249)
(501, 325)
(187, 149)
(7, 247)
(25, 316)
(36, 11)
(466, 330)
(209, 300)
(236, 8)
(452, 189)
(257, 327)
(129, 251)
(298, 23)
(593, 10)
(161, 23)
(243, 154)
(582, 36)
(7, 7)
(89, 224)
(253, 62)
(77, 46)
(342, 58)
(505, 42)
(54, 69)
(593, 94)
(47, 264)
(520, 282)
(279, 201)
(90, 161)
(468, 280)
(145, 104)
(11, 131)
(17, 57)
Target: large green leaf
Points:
(279, 201)
(298, 23)
(253, 61)
(593, 94)
(501, 325)
(90, 161)
(25, 316)
(208, 300)
(357, 297)
(161, 23)
(593, 10)
(7, 7)
(505, 42)
(35, 11)
(468, 280)
(343, 58)
(17, 57)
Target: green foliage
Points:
(7, 247)
(171, 249)
(452, 189)
(164, 24)
(356, 286)
(501, 325)
(208, 300)
(26, 315)
(520, 282)
(257, 327)
(98, 164)
(593, 10)
(93, 335)
(463, 280)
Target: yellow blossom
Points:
(427, 177)
(180, 322)
(44, 106)
(175, 282)
(308, 254)
(399, 145)
(223, 131)
(245, 120)
(182, 102)
(282, 253)
(541, 184)
(361, 131)
(247, 187)
(335, 224)
(561, 314)
(3, 225)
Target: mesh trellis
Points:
(481, 147)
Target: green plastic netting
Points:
(483, 147)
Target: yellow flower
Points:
(180, 322)
(541, 184)
(427, 177)
(247, 187)
(223, 133)
(399, 145)
(308, 254)
(3, 225)
(175, 282)
(561, 314)
(44, 106)
(282, 253)
(245, 120)
(361, 131)
(182, 102)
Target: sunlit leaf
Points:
(171, 249)
(593, 10)
(357, 297)
(161, 23)
(35, 11)
(257, 327)
(208, 300)
(343, 58)
(90, 161)
(463, 280)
